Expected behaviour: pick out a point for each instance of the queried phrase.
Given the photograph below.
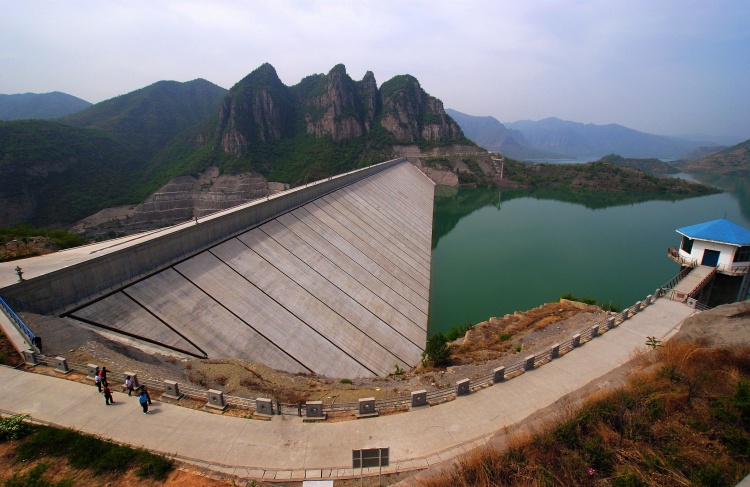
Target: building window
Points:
(742, 254)
(687, 244)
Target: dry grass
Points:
(496, 337)
(684, 422)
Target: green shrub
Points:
(711, 475)
(504, 337)
(737, 442)
(628, 478)
(345, 381)
(153, 466)
(437, 352)
(457, 332)
(610, 306)
(14, 427)
(437, 162)
(741, 398)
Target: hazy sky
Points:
(660, 66)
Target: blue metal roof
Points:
(721, 230)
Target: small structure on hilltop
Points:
(715, 257)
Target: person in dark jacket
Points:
(143, 399)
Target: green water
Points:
(496, 252)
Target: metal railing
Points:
(667, 290)
(18, 322)
(675, 280)
(733, 269)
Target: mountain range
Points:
(489, 133)
(552, 138)
(39, 105)
(190, 139)
(121, 150)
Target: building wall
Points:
(725, 258)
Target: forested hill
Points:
(54, 173)
(648, 165)
(44, 106)
(123, 149)
(733, 160)
(59, 172)
(148, 118)
(599, 176)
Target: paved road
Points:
(286, 448)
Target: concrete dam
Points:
(337, 286)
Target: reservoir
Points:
(500, 251)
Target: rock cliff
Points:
(261, 109)
(258, 109)
(335, 107)
(411, 115)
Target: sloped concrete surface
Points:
(339, 286)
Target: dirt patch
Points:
(27, 247)
(534, 329)
(8, 354)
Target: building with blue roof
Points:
(721, 244)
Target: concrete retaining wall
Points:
(75, 284)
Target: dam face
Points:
(338, 286)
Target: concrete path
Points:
(286, 448)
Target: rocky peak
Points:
(257, 109)
(369, 97)
(260, 108)
(410, 114)
(333, 106)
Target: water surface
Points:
(496, 252)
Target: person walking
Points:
(129, 385)
(98, 382)
(103, 375)
(143, 389)
(143, 399)
(107, 396)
